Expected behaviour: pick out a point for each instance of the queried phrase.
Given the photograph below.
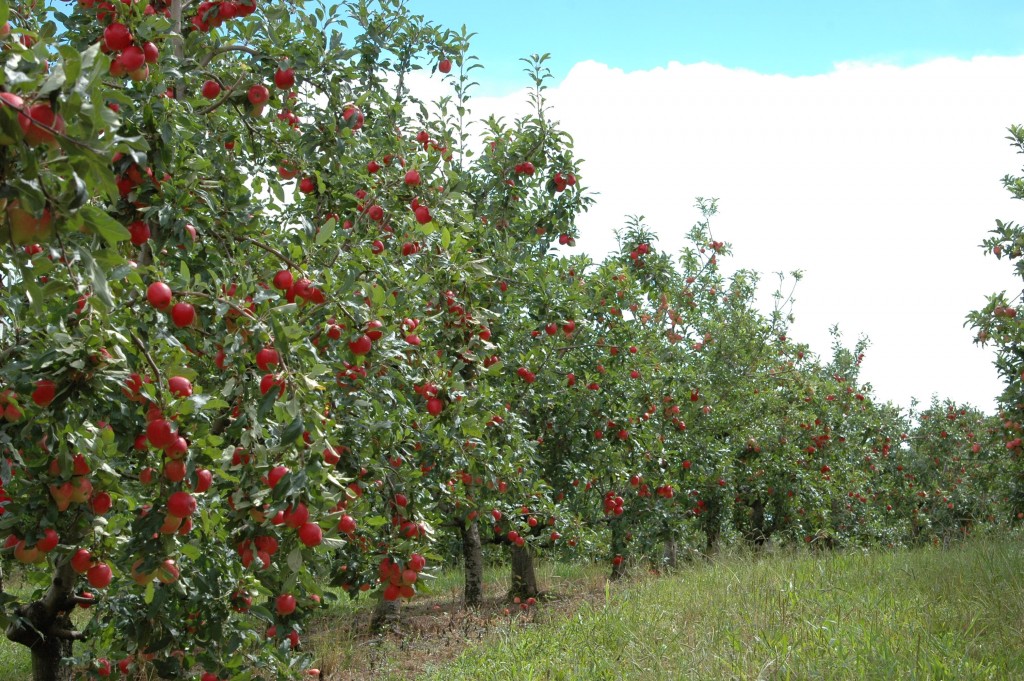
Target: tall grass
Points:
(921, 614)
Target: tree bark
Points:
(757, 531)
(44, 627)
(386, 615)
(671, 553)
(48, 655)
(524, 579)
(473, 559)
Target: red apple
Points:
(179, 386)
(81, 561)
(27, 228)
(275, 475)
(167, 572)
(140, 232)
(267, 358)
(353, 116)
(99, 576)
(160, 432)
(183, 314)
(181, 504)
(49, 540)
(211, 89)
(44, 393)
(285, 604)
(41, 125)
(258, 95)
(361, 345)
(310, 534)
(159, 295)
(204, 478)
(101, 503)
(132, 58)
(283, 280)
(284, 78)
(434, 406)
(117, 37)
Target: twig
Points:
(231, 48)
(270, 249)
(199, 294)
(152, 365)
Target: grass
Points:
(922, 614)
(930, 613)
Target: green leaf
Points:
(295, 559)
(55, 81)
(99, 280)
(446, 238)
(326, 231)
(150, 593)
(292, 431)
(72, 61)
(267, 403)
(107, 227)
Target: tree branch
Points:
(270, 249)
(69, 634)
(230, 48)
(152, 365)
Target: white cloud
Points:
(878, 181)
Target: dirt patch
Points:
(433, 632)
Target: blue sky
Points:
(784, 36)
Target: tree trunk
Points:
(671, 553)
(524, 579)
(386, 615)
(618, 570)
(618, 549)
(757, 533)
(473, 559)
(45, 628)
(48, 655)
(711, 545)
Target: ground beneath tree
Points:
(433, 631)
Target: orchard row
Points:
(245, 355)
